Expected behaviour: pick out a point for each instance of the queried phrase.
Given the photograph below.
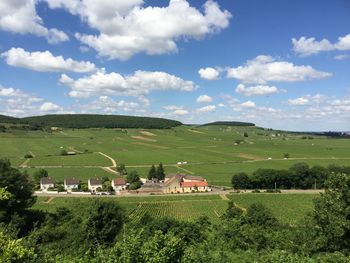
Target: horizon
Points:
(235, 60)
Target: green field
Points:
(209, 151)
(288, 208)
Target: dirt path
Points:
(49, 200)
(224, 197)
(188, 171)
(114, 163)
(25, 163)
(110, 170)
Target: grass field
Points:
(288, 208)
(209, 151)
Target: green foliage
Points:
(160, 174)
(229, 123)
(63, 152)
(101, 121)
(332, 214)
(259, 215)
(121, 169)
(12, 250)
(132, 177)
(40, 174)
(20, 188)
(245, 134)
(240, 181)
(28, 156)
(232, 211)
(104, 222)
(152, 173)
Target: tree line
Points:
(100, 230)
(298, 176)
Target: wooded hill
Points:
(100, 121)
(8, 119)
(229, 123)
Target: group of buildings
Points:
(94, 184)
(173, 183)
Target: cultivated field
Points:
(288, 208)
(214, 152)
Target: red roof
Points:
(194, 184)
(119, 181)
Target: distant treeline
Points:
(93, 121)
(229, 123)
(298, 176)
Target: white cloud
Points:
(341, 57)
(49, 106)
(208, 108)
(180, 112)
(308, 46)
(260, 90)
(127, 28)
(307, 100)
(19, 16)
(263, 69)
(172, 107)
(10, 92)
(299, 101)
(138, 84)
(248, 104)
(204, 99)
(45, 61)
(208, 73)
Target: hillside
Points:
(8, 119)
(229, 123)
(101, 121)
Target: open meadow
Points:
(214, 152)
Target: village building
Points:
(94, 184)
(46, 183)
(179, 183)
(118, 184)
(71, 183)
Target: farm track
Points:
(114, 163)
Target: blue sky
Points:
(279, 64)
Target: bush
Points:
(63, 153)
(28, 156)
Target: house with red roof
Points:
(118, 184)
(179, 183)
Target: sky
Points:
(280, 64)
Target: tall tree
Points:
(40, 174)
(152, 173)
(121, 169)
(160, 172)
(20, 190)
(240, 181)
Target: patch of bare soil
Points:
(143, 138)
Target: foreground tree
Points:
(332, 214)
(19, 188)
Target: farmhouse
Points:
(46, 183)
(119, 184)
(94, 184)
(179, 183)
(71, 183)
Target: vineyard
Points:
(288, 208)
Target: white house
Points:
(71, 183)
(94, 184)
(46, 183)
(119, 184)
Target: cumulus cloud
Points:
(176, 110)
(20, 17)
(307, 100)
(341, 57)
(259, 90)
(138, 84)
(45, 61)
(127, 28)
(204, 99)
(248, 104)
(49, 106)
(180, 112)
(208, 108)
(10, 92)
(263, 69)
(309, 46)
(208, 73)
